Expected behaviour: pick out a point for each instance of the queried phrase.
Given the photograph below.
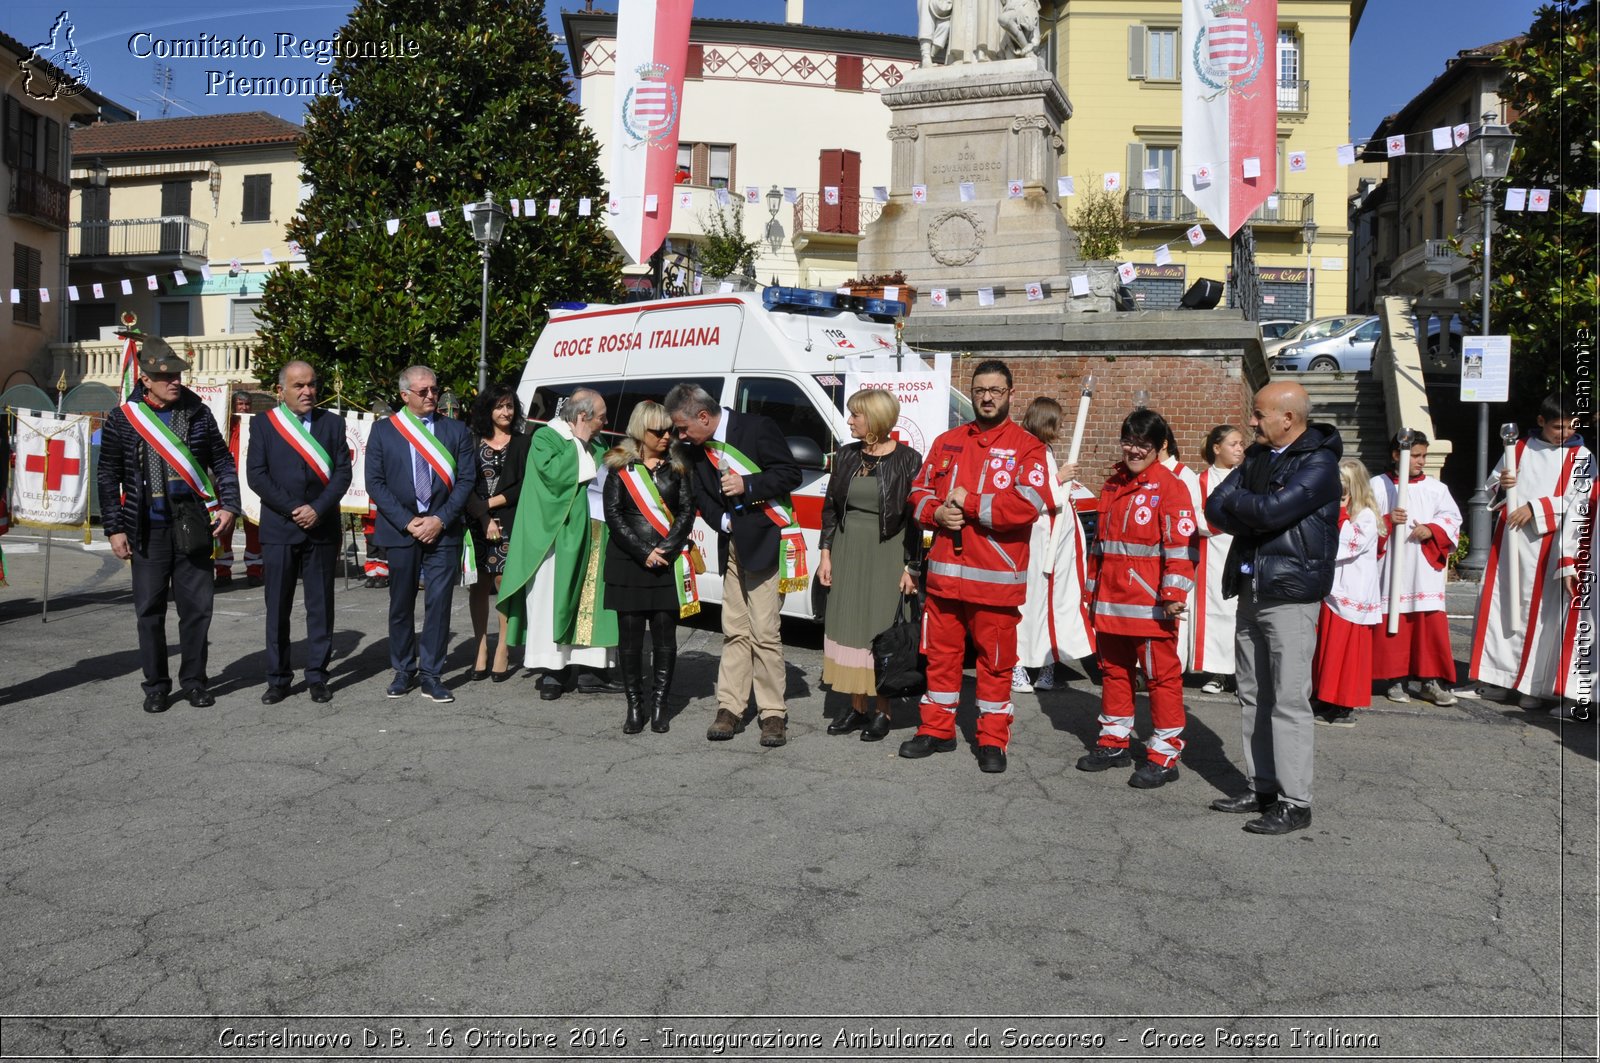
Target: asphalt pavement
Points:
(505, 877)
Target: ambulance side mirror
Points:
(806, 453)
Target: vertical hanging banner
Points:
(1230, 104)
(50, 484)
(652, 47)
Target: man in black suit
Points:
(299, 464)
(420, 470)
(743, 472)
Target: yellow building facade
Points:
(1120, 63)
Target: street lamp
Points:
(1311, 239)
(774, 228)
(488, 222)
(1488, 152)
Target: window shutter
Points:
(1136, 53)
(694, 65)
(1134, 180)
(847, 73)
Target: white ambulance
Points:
(778, 352)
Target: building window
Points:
(1153, 53)
(707, 165)
(1165, 201)
(173, 318)
(32, 142)
(1290, 97)
(26, 268)
(257, 197)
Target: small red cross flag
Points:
(50, 486)
(1397, 146)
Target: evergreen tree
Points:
(1544, 292)
(475, 102)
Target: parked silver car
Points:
(1349, 351)
(1314, 329)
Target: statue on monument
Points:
(974, 31)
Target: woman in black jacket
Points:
(869, 560)
(502, 452)
(649, 502)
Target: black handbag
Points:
(897, 660)
(191, 528)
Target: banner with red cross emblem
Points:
(50, 480)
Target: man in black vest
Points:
(299, 464)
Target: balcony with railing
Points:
(1294, 97)
(1168, 206)
(221, 357)
(1434, 256)
(815, 217)
(171, 242)
(40, 197)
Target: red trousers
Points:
(946, 623)
(1157, 658)
(252, 550)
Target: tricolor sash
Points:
(642, 489)
(443, 463)
(300, 439)
(792, 571)
(130, 375)
(173, 451)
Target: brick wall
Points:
(1193, 392)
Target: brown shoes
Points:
(724, 727)
(772, 731)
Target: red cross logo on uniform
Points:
(54, 464)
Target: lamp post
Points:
(488, 222)
(775, 232)
(1488, 151)
(1311, 240)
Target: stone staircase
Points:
(1354, 402)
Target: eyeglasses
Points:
(657, 431)
(434, 390)
(1134, 446)
(989, 393)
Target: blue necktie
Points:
(422, 476)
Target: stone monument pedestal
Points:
(997, 127)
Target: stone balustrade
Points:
(219, 358)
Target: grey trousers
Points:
(1274, 644)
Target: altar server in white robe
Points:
(1426, 532)
(1521, 640)
(1214, 615)
(1055, 617)
(1190, 480)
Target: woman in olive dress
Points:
(502, 452)
(649, 504)
(871, 554)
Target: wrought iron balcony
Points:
(1168, 206)
(849, 217)
(1294, 97)
(156, 241)
(40, 197)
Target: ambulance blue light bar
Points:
(808, 299)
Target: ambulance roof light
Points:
(808, 299)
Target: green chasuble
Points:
(554, 512)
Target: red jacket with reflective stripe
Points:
(1142, 555)
(1003, 471)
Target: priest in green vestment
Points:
(552, 591)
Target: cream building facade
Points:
(772, 106)
(1120, 63)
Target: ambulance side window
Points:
(547, 399)
(654, 389)
(784, 402)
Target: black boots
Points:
(630, 659)
(664, 658)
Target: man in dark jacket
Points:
(299, 464)
(743, 471)
(1282, 507)
(165, 473)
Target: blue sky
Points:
(1400, 46)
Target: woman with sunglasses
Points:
(650, 567)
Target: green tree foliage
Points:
(480, 106)
(725, 252)
(1544, 289)
(1100, 221)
